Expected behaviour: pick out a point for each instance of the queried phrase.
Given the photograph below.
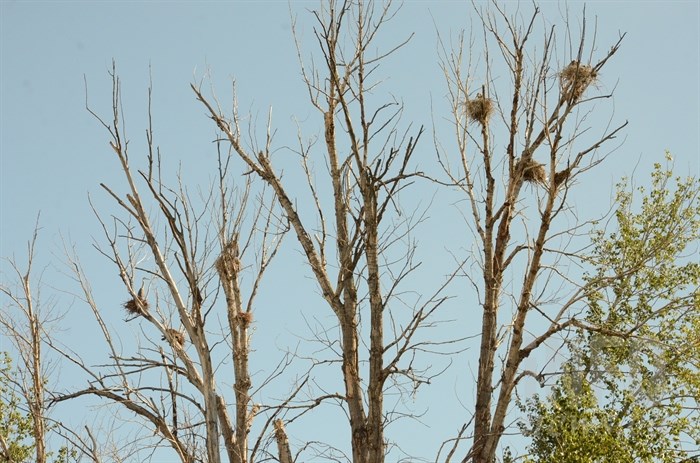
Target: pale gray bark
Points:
(534, 116)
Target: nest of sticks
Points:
(479, 109)
(562, 177)
(136, 306)
(176, 337)
(227, 264)
(575, 78)
(245, 318)
(534, 172)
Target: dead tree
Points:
(28, 323)
(369, 163)
(537, 153)
(24, 323)
(220, 242)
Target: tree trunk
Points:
(36, 402)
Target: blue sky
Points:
(53, 154)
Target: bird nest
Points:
(136, 306)
(479, 109)
(227, 264)
(575, 78)
(176, 338)
(245, 318)
(534, 172)
(561, 177)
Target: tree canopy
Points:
(15, 424)
(631, 389)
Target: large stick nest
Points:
(479, 109)
(176, 337)
(227, 264)
(245, 318)
(136, 306)
(534, 172)
(575, 78)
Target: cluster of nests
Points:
(138, 306)
(535, 173)
(575, 78)
(227, 265)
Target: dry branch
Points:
(285, 454)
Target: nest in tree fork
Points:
(227, 264)
(177, 338)
(245, 318)
(562, 177)
(136, 306)
(479, 109)
(534, 172)
(575, 78)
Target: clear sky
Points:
(53, 154)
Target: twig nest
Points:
(175, 337)
(533, 172)
(227, 264)
(575, 78)
(561, 177)
(245, 318)
(136, 306)
(479, 109)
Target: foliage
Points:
(630, 390)
(67, 455)
(15, 426)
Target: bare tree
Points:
(25, 325)
(350, 244)
(173, 263)
(193, 265)
(28, 321)
(502, 134)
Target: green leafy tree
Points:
(631, 389)
(15, 426)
